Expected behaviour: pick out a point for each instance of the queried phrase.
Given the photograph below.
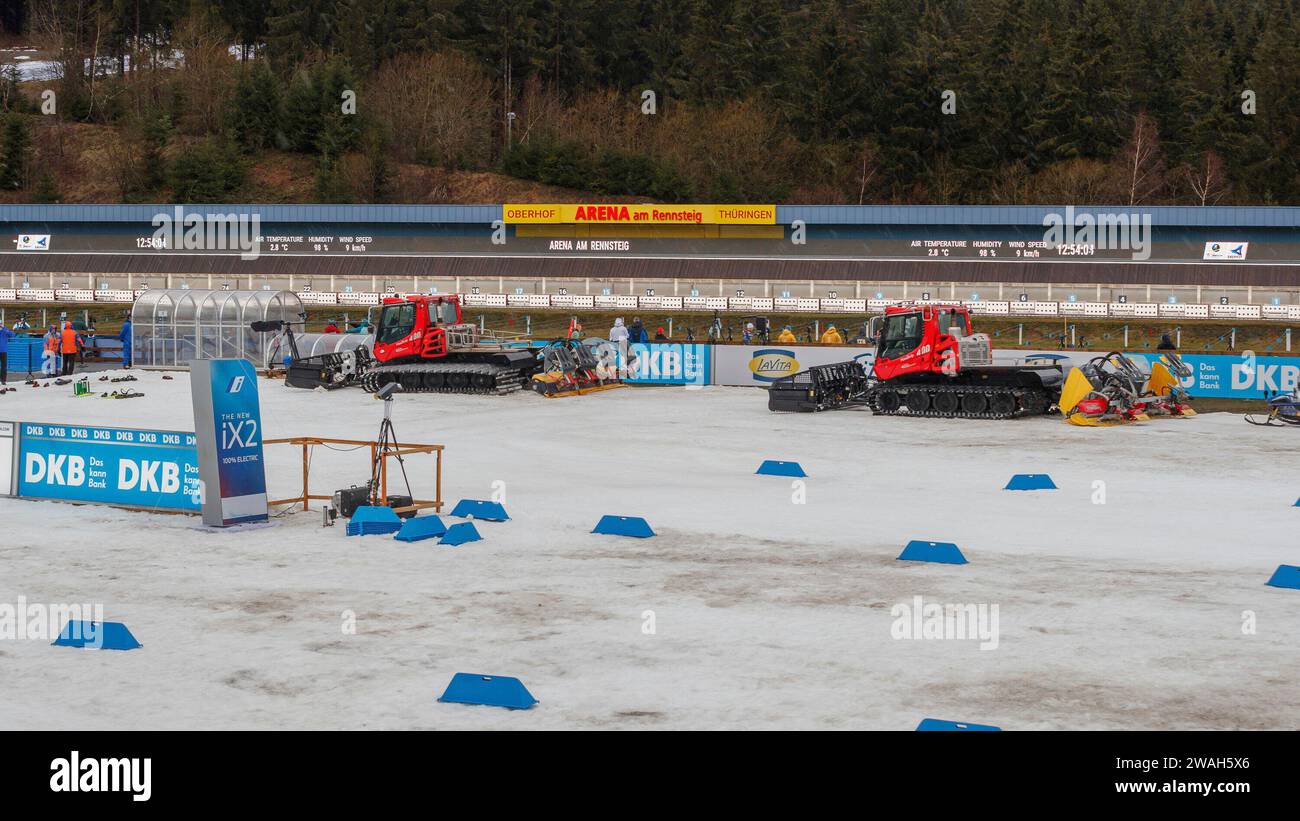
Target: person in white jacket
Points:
(618, 333)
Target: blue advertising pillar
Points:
(228, 427)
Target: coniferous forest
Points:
(1192, 102)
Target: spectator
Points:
(331, 327)
(832, 336)
(749, 333)
(5, 336)
(125, 337)
(50, 356)
(1166, 344)
(659, 334)
(618, 333)
(787, 336)
(22, 324)
(637, 332)
(70, 344)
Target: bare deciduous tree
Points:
(1142, 162)
(1208, 179)
(438, 106)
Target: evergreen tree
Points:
(1085, 100)
(207, 172)
(14, 151)
(47, 190)
(255, 114)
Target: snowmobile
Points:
(1112, 390)
(1283, 409)
(570, 367)
(1165, 396)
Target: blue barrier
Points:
(25, 355)
(108, 635)
(772, 467)
(940, 552)
(459, 534)
(492, 691)
(1031, 481)
(939, 725)
(624, 526)
(1286, 575)
(419, 528)
(478, 509)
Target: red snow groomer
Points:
(928, 363)
(423, 343)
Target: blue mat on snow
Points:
(1031, 481)
(1286, 575)
(371, 520)
(479, 509)
(941, 552)
(419, 528)
(459, 534)
(939, 725)
(772, 467)
(108, 635)
(493, 691)
(624, 526)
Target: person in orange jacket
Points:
(50, 356)
(70, 345)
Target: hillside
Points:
(81, 157)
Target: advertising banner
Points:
(6, 458)
(668, 363)
(137, 468)
(579, 214)
(228, 426)
(761, 365)
(1235, 376)
(1226, 250)
(32, 242)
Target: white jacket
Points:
(618, 333)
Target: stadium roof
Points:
(1218, 216)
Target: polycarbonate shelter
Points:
(317, 344)
(169, 328)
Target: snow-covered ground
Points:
(766, 613)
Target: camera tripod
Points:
(386, 443)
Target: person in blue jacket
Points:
(125, 338)
(5, 336)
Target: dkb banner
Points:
(670, 363)
(137, 468)
(1236, 376)
(6, 458)
(228, 424)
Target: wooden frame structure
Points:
(400, 449)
